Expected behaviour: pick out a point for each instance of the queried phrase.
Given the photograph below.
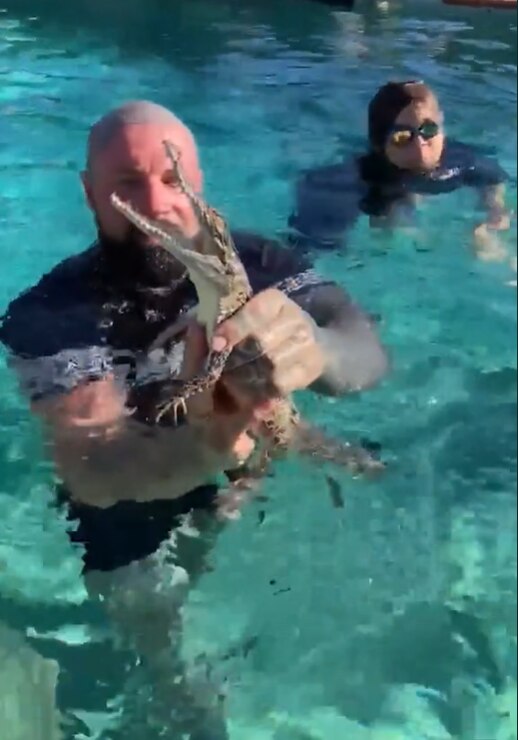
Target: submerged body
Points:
(28, 682)
(94, 346)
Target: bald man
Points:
(79, 341)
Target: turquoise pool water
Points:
(344, 611)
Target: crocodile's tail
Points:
(313, 442)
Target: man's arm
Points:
(354, 356)
(327, 205)
(101, 451)
(104, 455)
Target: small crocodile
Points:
(223, 288)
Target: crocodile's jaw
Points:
(205, 271)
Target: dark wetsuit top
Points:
(81, 321)
(330, 199)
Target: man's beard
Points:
(133, 259)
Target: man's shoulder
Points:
(65, 282)
(41, 317)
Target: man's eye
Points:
(170, 179)
(129, 180)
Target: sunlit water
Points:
(343, 610)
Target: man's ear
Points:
(87, 188)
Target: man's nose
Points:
(157, 199)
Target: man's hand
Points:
(276, 350)
(222, 424)
(276, 354)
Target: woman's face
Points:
(416, 141)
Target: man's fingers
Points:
(195, 350)
(286, 359)
(288, 339)
(262, 310)
(289, 334)
(262, 381)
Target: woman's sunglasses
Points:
(403, 135)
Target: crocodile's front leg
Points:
(208, 378)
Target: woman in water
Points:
(409, 157)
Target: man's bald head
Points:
(133, 113)
(126, 155)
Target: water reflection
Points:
(459, 36)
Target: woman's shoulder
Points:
(478, 167)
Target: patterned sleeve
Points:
(51, 342)
(301, 282)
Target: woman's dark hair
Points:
(388, 103)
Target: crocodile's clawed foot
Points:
(175, 404)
